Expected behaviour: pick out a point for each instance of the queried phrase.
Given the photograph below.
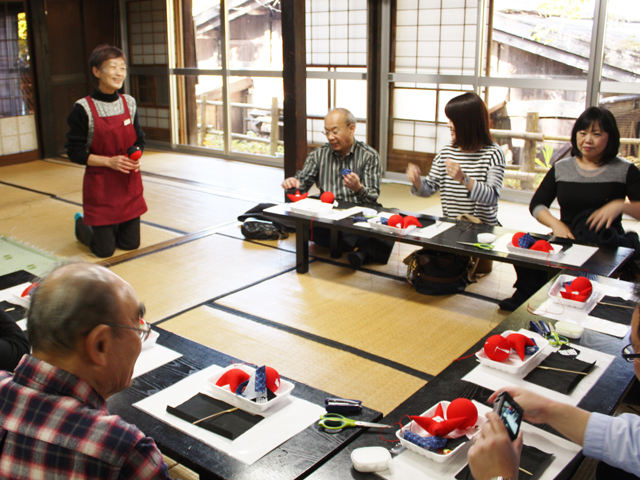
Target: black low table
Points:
(603, 397)
(603, 262)
(295, 458)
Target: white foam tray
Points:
(226, 395)
(435, 456)
(525, 252)
(310, 206)
(513, 364)
(376, 225)
(556, 297)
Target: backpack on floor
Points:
(433, 272)
(256, 229)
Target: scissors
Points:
(484, 246)
(335, 421)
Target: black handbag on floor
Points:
(434, 272)
(255, 229)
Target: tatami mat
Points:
(47, 224)
(49, 177)
(378, 315)
(334, 371)
(178, 278)
(256, 182)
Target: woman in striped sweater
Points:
(468, 172)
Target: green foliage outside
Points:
(216, 140)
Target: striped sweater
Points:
(486, 167)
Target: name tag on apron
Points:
(127, 122)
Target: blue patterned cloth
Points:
(526, 241)
(428, 443)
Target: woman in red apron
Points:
(105, 135)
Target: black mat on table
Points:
(559, 381)
(229, 425)
(16, 312)
(15, 278)
(533, 463)
(619, 314)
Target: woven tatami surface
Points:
(379, 315)
(335, 371)
(179, 278)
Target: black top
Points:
(78, 122)
(579, 190)
(13, 342)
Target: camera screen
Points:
(511, 417)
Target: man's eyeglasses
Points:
(629, 354)
(334, 132)
(144, 330)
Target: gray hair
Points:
(349, 119)
(68, 303)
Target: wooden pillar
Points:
(42, 73)
(189, 61)
(530, 149)
(374, 61)
(294, 77)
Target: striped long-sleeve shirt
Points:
(324, 168)
(486, 167)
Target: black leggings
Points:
(103, 240)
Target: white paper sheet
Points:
(152, 358)
(494, 379)
(575, 256)
(280, 424)
(336, 214)
(410, 465)
(432, 230)
(12, 295)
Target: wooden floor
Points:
(357, 334)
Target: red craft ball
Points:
(463, 407)
(515, 239)
(395, 221)
(542, 246)
(497, 348)
(273, 379)
(136, 155)
(327, 197)
(580, 283)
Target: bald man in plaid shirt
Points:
(86, 329)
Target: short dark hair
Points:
(470, 118)
(607, 122)
(101, 54)
(60, 312)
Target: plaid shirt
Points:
(324, 168)
(56, 426)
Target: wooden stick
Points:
(525, 471)
(214, 415)
(616, 305)
(562, 370)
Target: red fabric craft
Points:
(233, 378)
(441, 428)
(515, 239)
(519, 342)
(298, 196)
(395, 221)
(327, 197)
(542, 246)
(273, 379)
(410, 220)
(27, 291)
(579, 290)
(497, 348)
(463, 407)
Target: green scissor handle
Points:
(484, 246)
(335, 421)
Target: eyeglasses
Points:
(629, 354)
(144, 331)
(333, 131)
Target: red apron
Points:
(109, 196)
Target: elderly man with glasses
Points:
(615, 441)
(350, 169)
(86, 329)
